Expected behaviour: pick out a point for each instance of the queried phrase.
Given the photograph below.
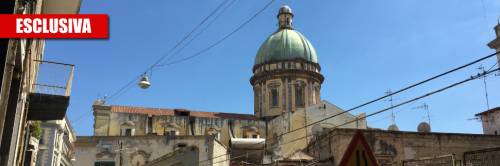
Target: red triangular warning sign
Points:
(358, 153)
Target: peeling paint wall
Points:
(391, 147)
(107, 123)
(138, 150)
(287, 144)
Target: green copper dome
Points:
(286, 43)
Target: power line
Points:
(198, 34)
(222, 39)
(479, 75)
(213, 44)
(399, 91)
(172, 55)
(172, 49)
(124, 88)
(403, 89)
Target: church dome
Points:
(286, 43)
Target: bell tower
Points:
(286, 73)
(495, 44)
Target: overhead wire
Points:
(399, 91)
(168, 54)
(403, 89)
(222, 39)
(394, 106)
(181, 48)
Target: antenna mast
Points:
(393, 116)
(481, 68)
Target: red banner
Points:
(54, 26)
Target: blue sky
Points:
(364, 47)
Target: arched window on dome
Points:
(274, 97)
(274, 94)
(299, 94)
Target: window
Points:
(171, 133)
(181, 145)
(255, 136)
(131, 117)
(150, 124)
(496, 132)
(274, 98)
(128, 132)
(299, 96)
(104, 163)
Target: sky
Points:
(364, 48)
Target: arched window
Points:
(299, 96)
(274, 96)
(127, 129)
(250, 132)
(171, 129)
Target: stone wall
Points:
(289, 143)
(391, 147)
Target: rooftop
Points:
(489, 111)
(180, 112)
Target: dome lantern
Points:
(285, 16)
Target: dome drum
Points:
(292, 73)
(287, 64)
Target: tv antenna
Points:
(482, 70)
(393, 116)
(425, 107)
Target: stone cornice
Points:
(279, 73)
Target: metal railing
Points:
(54, 78)
(485, 157)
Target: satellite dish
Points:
(393, 127)
(424, 127)
(144, 82)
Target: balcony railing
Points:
(49, 98)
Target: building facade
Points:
(56, 145)
(20, 60)
(394, 147)
(150, 150)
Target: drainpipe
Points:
(6, 81)
(121, 147)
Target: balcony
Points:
(49, 97)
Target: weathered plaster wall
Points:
(395, 146)
(287, 144)
(491, 122)
(137, 150)
(107, 123)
